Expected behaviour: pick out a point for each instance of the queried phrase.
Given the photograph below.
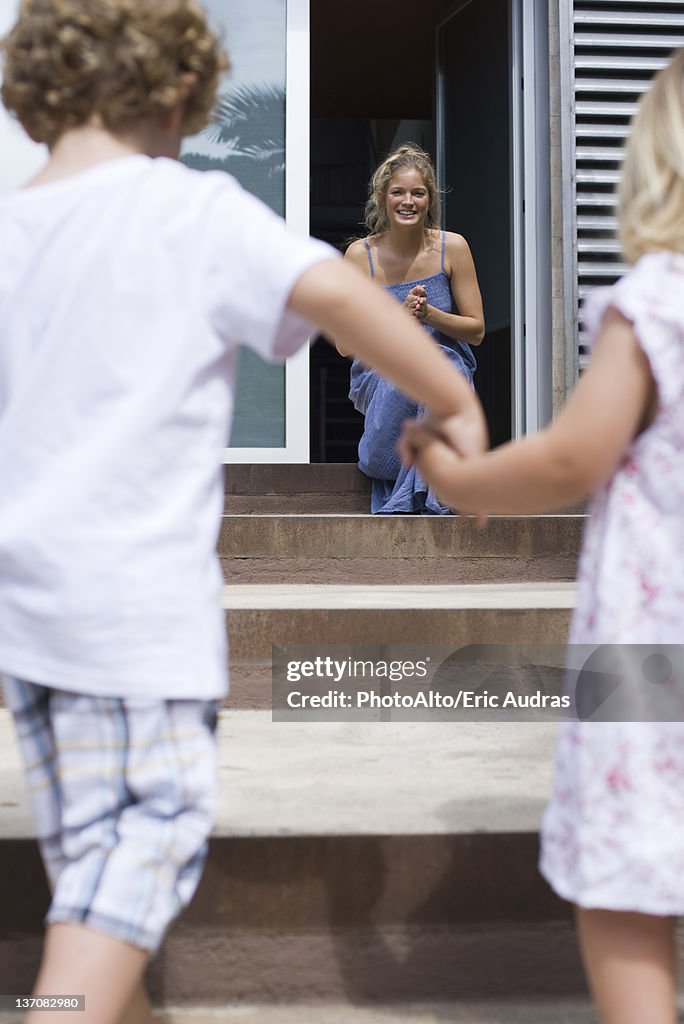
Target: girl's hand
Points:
(466, 434)
(415, 436)
(441, 444)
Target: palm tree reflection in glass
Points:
(246, 137)
(250, 122)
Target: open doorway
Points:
(377, 71)
(474, 164)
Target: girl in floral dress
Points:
(613, 834)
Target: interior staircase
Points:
(360, 871)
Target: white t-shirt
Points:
(124, 293)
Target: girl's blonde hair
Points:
(124, 60)
(407, 156)
(651, 195)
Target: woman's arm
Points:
(366, 321)
(468, 324)
(615, 399)
(357, 256)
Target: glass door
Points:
(260, 134)
(263, 140)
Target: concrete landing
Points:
(558, 1011)
(486, 1012)
(361, 778)
(514, 1012)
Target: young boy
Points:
(127, 282)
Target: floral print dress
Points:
(613, 833)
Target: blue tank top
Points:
(438, 288)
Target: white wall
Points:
(19, 157)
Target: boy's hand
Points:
(466, 434)
(438, 445)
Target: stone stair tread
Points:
(355, 778)
(256, 489)
(285, 478)
(408, 517)
(304, 515)
(513, 1011)
(352, 535)
(434, 550)
(403, 597)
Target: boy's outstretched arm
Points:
(615, 399)
(374, 327)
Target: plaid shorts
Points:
(123, 793)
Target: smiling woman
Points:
(431, 272)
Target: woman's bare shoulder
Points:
(457, 243)
(355, 247)
(357, 252)
(458, 254)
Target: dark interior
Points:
(373, 84)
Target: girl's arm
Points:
(366, 321)
(468, 324)
(615, 399)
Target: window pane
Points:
(247, 139)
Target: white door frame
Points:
(531, 213)
(297, 173)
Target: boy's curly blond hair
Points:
(124, 60)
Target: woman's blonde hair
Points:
(124, 60)
(407, 156)
(651, 195)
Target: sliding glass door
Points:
(260, 134)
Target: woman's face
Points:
(407, 199)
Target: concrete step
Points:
(350, 863)
(260, 617)
(348, 549)
(316, 488)
(485, 1011)
(335, 488)
(356, 872)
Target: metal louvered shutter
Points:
(617, 46)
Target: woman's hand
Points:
(416, 302)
